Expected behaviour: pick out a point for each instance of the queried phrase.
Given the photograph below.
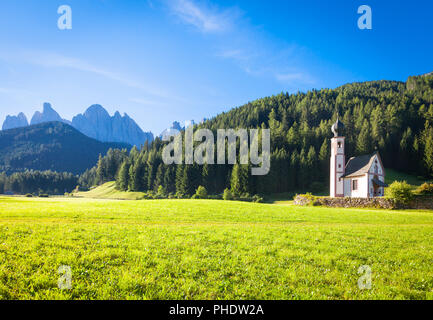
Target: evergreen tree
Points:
(159, 178)
(122, 182)
(180, 180)
(363, 141)
(100, 171)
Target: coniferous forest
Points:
(395, 118)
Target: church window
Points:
(355, 185)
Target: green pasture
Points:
(204, 249)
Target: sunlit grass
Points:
(207, 249)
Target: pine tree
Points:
(324, 161)
(364, 140)
(428, 149)
(159, 178)
(235, 181)
(180, 180)
(170, 179)
(100, 171)
(312, 166)
(123, 178)
(239, 181)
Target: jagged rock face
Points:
(173, 130)
(13, 122)
(48, 114)
(97, 123)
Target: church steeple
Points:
(338, 160)
(337, 128)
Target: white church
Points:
(361, 177)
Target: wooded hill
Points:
(396, 118)
(52, 146)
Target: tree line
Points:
(38, 182)
(394, 118)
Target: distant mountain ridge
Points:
(176, 128)
(47, 115)
(12, 122)
(95, 123)
(54, 146)
(98, 124)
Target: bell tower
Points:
(338, 160)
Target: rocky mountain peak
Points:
(96, 111)
(95, 122)
(48, 114)
(13, 122)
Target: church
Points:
(360, 177)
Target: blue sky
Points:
(161, 61)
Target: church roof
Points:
(337, 128)
(358, 166)
(379, 183)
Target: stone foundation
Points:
(419, 202)
(422, 202)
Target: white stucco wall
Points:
(337, 167)
(380, 169)
(380, 173)
(361, 192)
(332, 178)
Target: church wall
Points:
(376, 169)
(380, 169)
(337, 167)
(332, 176)
(361, 192)
(347, 189)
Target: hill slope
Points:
(392, 117)
(108, 191)
(50, 146)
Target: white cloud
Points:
(293, 78)
(148, 102)
(59, 61)
(251, 49)
(207, 20)
(235, 54)
(54, 60)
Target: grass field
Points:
(199, 249)
(392, 175)
(108, 191)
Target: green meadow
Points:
(208, 249)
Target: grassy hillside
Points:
(108, 191)
(52, 146)
(192, 249)
(393, 175)
(383, 116)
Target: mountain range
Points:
(95, 123)
(55, 146)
